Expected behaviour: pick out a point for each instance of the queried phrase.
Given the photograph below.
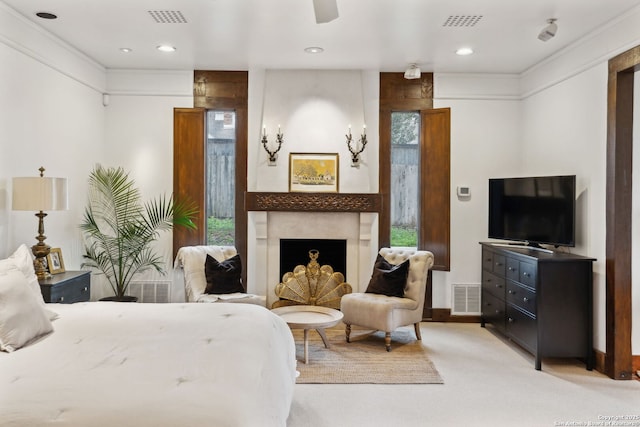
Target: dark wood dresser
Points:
(67, 287)
(541, 301)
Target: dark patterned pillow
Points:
(388, 279)
(223, 277)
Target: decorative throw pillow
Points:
(22, 317)
(388, 279)
(223, 277)
(23, 260)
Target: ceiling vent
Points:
(167, 16)
(462, 20)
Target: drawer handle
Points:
(525, 274)
(511, 292)
(61, 299)
(497, 311)
(498, 285)
(511, 269)
(510, 320)
(525, 299)
(85, 289)
(499, 264)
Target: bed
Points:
(127, 364)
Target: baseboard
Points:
(444, 315)
(599, 361)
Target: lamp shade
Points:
(39, 194)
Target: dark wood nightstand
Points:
(67, 287)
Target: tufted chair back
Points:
(419, 265)
(386, 313)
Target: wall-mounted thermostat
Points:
(464, 192)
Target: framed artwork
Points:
(313, 172)
(55, 261)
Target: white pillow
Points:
(23, 260)
(22, 317)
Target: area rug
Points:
(364, 360)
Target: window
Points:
(223, 93)
(405, 173)
(220, 167)
(406, 110)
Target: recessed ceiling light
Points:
(126, 49)
(166, 48)
(314, 49)
(463, 51)
(46, 15)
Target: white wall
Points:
(314, 110)
(484, 144)
(139, 137)
(52, 120)
(564, 133)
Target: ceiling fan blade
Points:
(326, 10)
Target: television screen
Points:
(533, 210)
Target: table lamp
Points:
(40, 194)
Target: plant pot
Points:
(124, 298)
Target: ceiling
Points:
(385, 35)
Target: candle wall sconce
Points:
(354, 150)
(273, 155)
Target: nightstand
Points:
(67, 287)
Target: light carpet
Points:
(364, 360)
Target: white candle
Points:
(364, 129)
(264, 131)
(278, 128)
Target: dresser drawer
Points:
(522, 297)
(487, 260)
(67, 288)
(528, 274)
(522, 328)
(513, 269)
(493, 284)
(493, 310)
(499, 264)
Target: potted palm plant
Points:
(120, 229)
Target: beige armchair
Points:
(190, 262)
(386, 313)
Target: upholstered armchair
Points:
(382, 312)
(216, 279)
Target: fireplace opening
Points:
(295, 252)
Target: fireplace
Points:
(358, 231)
(331, 252)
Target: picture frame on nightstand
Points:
(55, 261)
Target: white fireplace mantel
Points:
(266, 228)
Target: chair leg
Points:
(417, 328)
(347, 331)
(387, 340)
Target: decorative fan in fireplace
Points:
(312, 285)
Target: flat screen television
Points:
(533, 210)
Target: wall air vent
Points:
(154, 291)
(466, 299)
(167, 16)
(462, 20)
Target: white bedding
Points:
(127, 364)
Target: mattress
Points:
(126, 364)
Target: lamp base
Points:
(41, 250)
(40, 265)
